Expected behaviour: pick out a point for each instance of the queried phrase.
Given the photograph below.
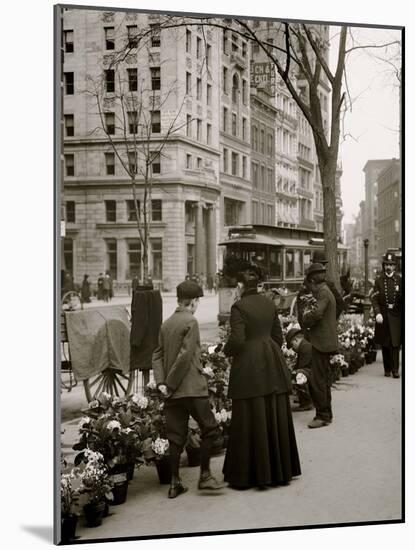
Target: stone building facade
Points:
(219, 151)
(175, 79)
(389, 224)
(372, 170)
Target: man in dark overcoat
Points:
(387, 306)
(319, 257)
(322, 325)
(178, 373)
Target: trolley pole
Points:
(366, 302)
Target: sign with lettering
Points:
(263, 76)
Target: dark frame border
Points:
(58, 173)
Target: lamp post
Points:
(366, 301)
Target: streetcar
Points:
(283, 253)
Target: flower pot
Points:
(193, 456)
(118, 476)
(106, 508)
(94, 512)
(368, 358)
(345, 371)
(130, 470)
(68, 527)
(373, 354)
(164, 470)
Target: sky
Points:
(372, 126)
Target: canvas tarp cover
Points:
(98, 339)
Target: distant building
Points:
(372, 170)
(389, 207)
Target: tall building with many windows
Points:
(372, 170)
(174, 81)
(180, 115)
(389, 221)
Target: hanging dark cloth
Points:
(146, 319)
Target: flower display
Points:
(69, 492)
(290, 357)
(83, 423)
(113, 425)
(300, 378)
(94, 477)
(208, 371)
(140, 400)
(307, 302)
(160, 446)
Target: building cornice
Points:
(119, 140)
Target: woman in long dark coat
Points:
(262, 448)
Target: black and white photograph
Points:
(224, 278)
(231, 291)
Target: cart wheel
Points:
(115, 382)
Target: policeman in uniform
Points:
(387, 306)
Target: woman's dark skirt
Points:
(262, 448)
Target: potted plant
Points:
(69, 504)
(156, 452)
(96, 485)
(339, 366)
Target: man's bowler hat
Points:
(319, 256)
(315, 268)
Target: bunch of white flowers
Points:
(93, 404)
(300, 378)
(208, 371)
(160, 446)
(140, 401)
(113, 425)
(151, 385)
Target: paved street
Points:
(351, 473)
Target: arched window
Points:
(235, 88)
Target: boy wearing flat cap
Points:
(295, 340)
(178, 374)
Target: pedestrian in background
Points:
(387, 306)
(134, 284)
(203, 281)
(320, 319)
(209, 283)
(262, 448)
(86, 290)
(178, 374)
(100, 287)
(106, 287)
(110, 284)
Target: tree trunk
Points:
(328, 180)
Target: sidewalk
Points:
(350, 473)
